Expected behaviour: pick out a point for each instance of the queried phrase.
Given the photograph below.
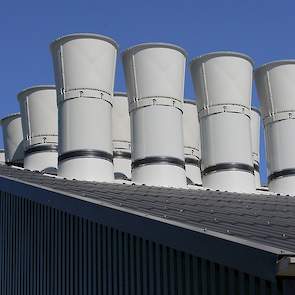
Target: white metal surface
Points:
(255, 140)
(2, 156)
(276, 89)
(38, 107)
(192, 142)
(121, 135)
(84, 72)
(223, 84)
(154, 74)
(13, 139)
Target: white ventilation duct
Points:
(2, 156)
(38, 109)
(192, 144)
(154, 74)
(223, 84)
(255, 140)
(13, 139)
(84, 72)
(275, 83)
(121, 136)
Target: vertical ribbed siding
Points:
(47, 251)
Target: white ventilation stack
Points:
(223, 84)
(84, 72)
(275, 83)
(2, 156)
(192, 142)
(154, 74)
(255, 140)
(13, 139)
(38, 109)
(121, 137)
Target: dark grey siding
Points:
(47, 251)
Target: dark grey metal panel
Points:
(217, 248)
(268, 220)
(47, 251)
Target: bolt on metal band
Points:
(282, 173)
(158, 160)
(41, 148)
(194, 162)
(122, 154)
(228, 167)
(87, 153)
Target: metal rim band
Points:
(122, 155)
(282, 173)
(228, 166)
(86, 154)
(41, 148)
(158, 160)
(256, 167)
(194, 162)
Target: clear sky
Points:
(262, 29)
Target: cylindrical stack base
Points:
(122, 167)
(193, 173)
(232, 181)
(229, 150)
(283, 185)
(41, 160)
(158, 146)
(90, 169)
(257, 177)
(167, 175)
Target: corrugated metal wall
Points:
(47, 251)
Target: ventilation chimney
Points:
(2, 156)
(154, 75)
(13, 140)
(84, 72)
(276, 89)
(39, 121)
(255, 140)
(223, 83)
(121, 137)
(192, 144)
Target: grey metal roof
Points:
(256, 220)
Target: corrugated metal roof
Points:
(265, 219)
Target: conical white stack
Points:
(13, 139)
(276, 89)
(223, 84)
(255, 140)
(84, 67)
(121, 136)
(192, 142)
(154, 74)
(38, 107)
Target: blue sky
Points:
(262, 29)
